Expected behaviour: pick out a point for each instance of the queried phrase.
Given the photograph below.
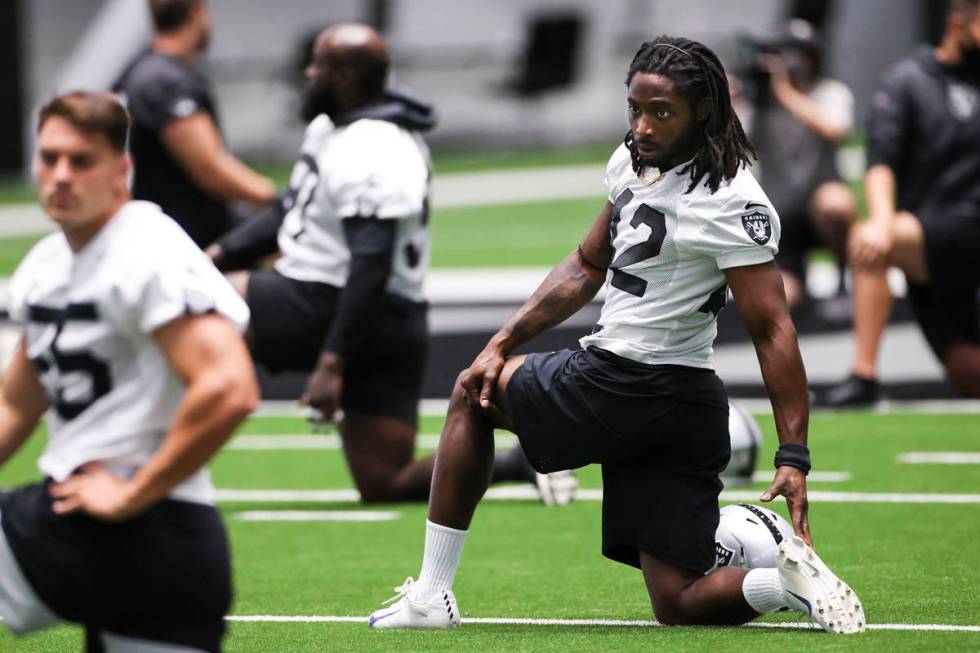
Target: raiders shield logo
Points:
(756, 223)
(723, 555)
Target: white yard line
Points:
(437, 407)
(316, 515)
(629, 623)
(940, 457)
(634, 623)
(283, 442)
(526, 492)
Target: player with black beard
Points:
(923, 192)
(345, 299)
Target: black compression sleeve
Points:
(372, 244)
(254, 239)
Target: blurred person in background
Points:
(799, 121)
(345, 298)
(131, 351)
(923, 191)
(180, 160)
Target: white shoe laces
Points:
(401, 591)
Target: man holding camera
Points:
(800, 119)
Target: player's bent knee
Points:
(962, 363)
(672, 615)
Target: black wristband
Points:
(793, 455)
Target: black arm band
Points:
(793, 455)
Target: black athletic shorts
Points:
(289, 323)
(660, 433)
(946, 308)
(163, 576)
(797, 239)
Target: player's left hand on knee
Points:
(96, 492)
(324, 388)
(790, 483)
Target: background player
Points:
(800, 119)
(346, 297)
(684, 221)
(131, 344)
(180, 161)
(923, 190)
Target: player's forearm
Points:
(254, 239)
(807, 112)
(229, 179)
(566, 289)
(15, 428)
(22, 403)
(785, 377)
(214, 404)
(879, 188)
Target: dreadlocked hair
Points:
(697, 72)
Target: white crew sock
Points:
(763, 591)
(443, 546)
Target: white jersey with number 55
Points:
(665, 286)
(88, 320)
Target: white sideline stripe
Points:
(940, 457)
(437, 407)
(273, 442)
(316, 515)
(526, 492)
(518, 621)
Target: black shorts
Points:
(163, 576)
(290, 320)
(660, 433)
(946, 308)
(796, 240)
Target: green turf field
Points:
(505, 235)
(911, 563)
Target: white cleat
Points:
(404, 611)
(812, 589)
(557, 488)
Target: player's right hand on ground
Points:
(479, 381)
(790, 482)
(870, 245)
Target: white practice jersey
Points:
(665, 286)
(370, 168)
(88, 321)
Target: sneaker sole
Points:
(836, 607)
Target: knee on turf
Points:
(381, 491)
(672, 616)
(962, 363)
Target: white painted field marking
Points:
(528, 493)
(437, 407)
(287, 496)
(273, 442)
(638, 623)
(940, 457)
(316, 515)
(517, 621)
